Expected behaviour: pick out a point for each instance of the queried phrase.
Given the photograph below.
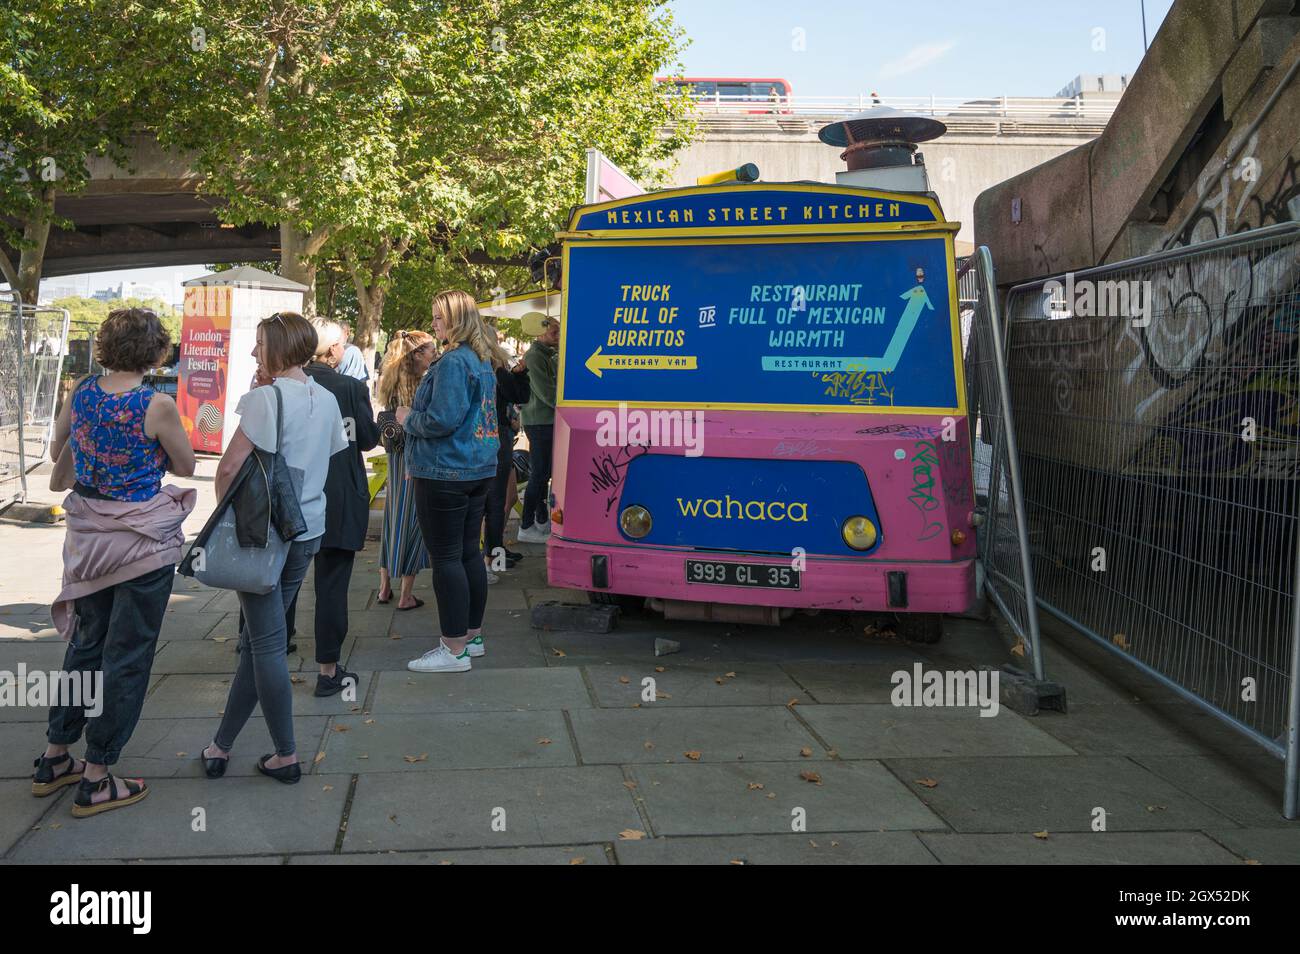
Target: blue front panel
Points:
(770, 324)
(721, 503)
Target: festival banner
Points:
(205, 359)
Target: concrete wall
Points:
(961, 164)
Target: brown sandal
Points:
(83, 805)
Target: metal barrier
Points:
(1156, 403)
(1002, 537)
(31, 368)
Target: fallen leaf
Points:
(320, 756)
(927, 782)
(659, 668)
(394, 636)
(558, 652)
(1019, 648)
(718, 680)
(631, 834)
(412, 759)
(181, 755)
(624, 680)
(771, 794)
(810, 776)
(736, 861)
(806, 752)
(813, 843)
(662, 695)
(1120, 640)
(630, 786)
(340, 728)
(296, 680)
(392, 818)
(792, 703)
(649, 746)
(221, 639)
(55, 826)
(1041, 835)
(730, 675)
(755, 786)
(1155, 808)
(363, 756)
(693, 755)
(327, 788)
(543, 741)
(577, 861)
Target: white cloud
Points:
(916, 58)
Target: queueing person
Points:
(512, 388)
(312, 433)
(451, 451)
(123, 542)
(347, 516)
(538, 417)
(402, 553)
(351, 362)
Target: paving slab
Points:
(723, 734)
(1141, 729)
(693, 684)
(188, 598)
(451, 809)
(287, 818)
(361, 622)
(191, 696)
(481, 690)
(854, 848)
(1248, 788)
(722, 800)
(1052, 793)
(28, 627)
(22, 810)
(462, 740)
(887, 731)
(44, 656)
(558, 855)
(189, 625)
(1268, 846)
(1079, 848)
(837, 683)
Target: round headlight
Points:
(635, 521)
(859, 533)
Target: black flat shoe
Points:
(333, 685)
(512, 558)
(289, 774)
(213, 768)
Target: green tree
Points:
(77, 78)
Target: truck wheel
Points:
(919, 627)
(628, 604)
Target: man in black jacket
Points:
(347, 508)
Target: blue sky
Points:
(972, 49)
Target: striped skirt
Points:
(401, 548)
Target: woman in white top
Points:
(312, 432)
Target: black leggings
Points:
(494, 521)
(541, 440)
(451, 516)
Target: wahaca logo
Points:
(725, 508)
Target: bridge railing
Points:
(1090, 108)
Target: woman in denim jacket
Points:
(451, 456)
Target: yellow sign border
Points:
(894, 235)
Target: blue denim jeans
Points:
(117, 633)
(263, 672)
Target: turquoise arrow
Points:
(916, 299)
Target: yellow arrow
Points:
(598, 363)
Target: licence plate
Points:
(718, 573)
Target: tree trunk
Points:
(26, 280)
(297, 250)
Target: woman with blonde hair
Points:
(451, 451)
(401, 547)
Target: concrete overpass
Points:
(153, 213)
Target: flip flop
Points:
(418, 603)
(389, 600)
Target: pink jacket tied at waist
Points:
(110, 541)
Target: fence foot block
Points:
(1020, 692)
(584, 619)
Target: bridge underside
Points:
(142, 230)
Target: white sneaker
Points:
(475, 647)
(492, 578)
(533, 534)
(440, 660)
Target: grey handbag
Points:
(216, 558)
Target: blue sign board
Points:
(834, 323)
(754, 505)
